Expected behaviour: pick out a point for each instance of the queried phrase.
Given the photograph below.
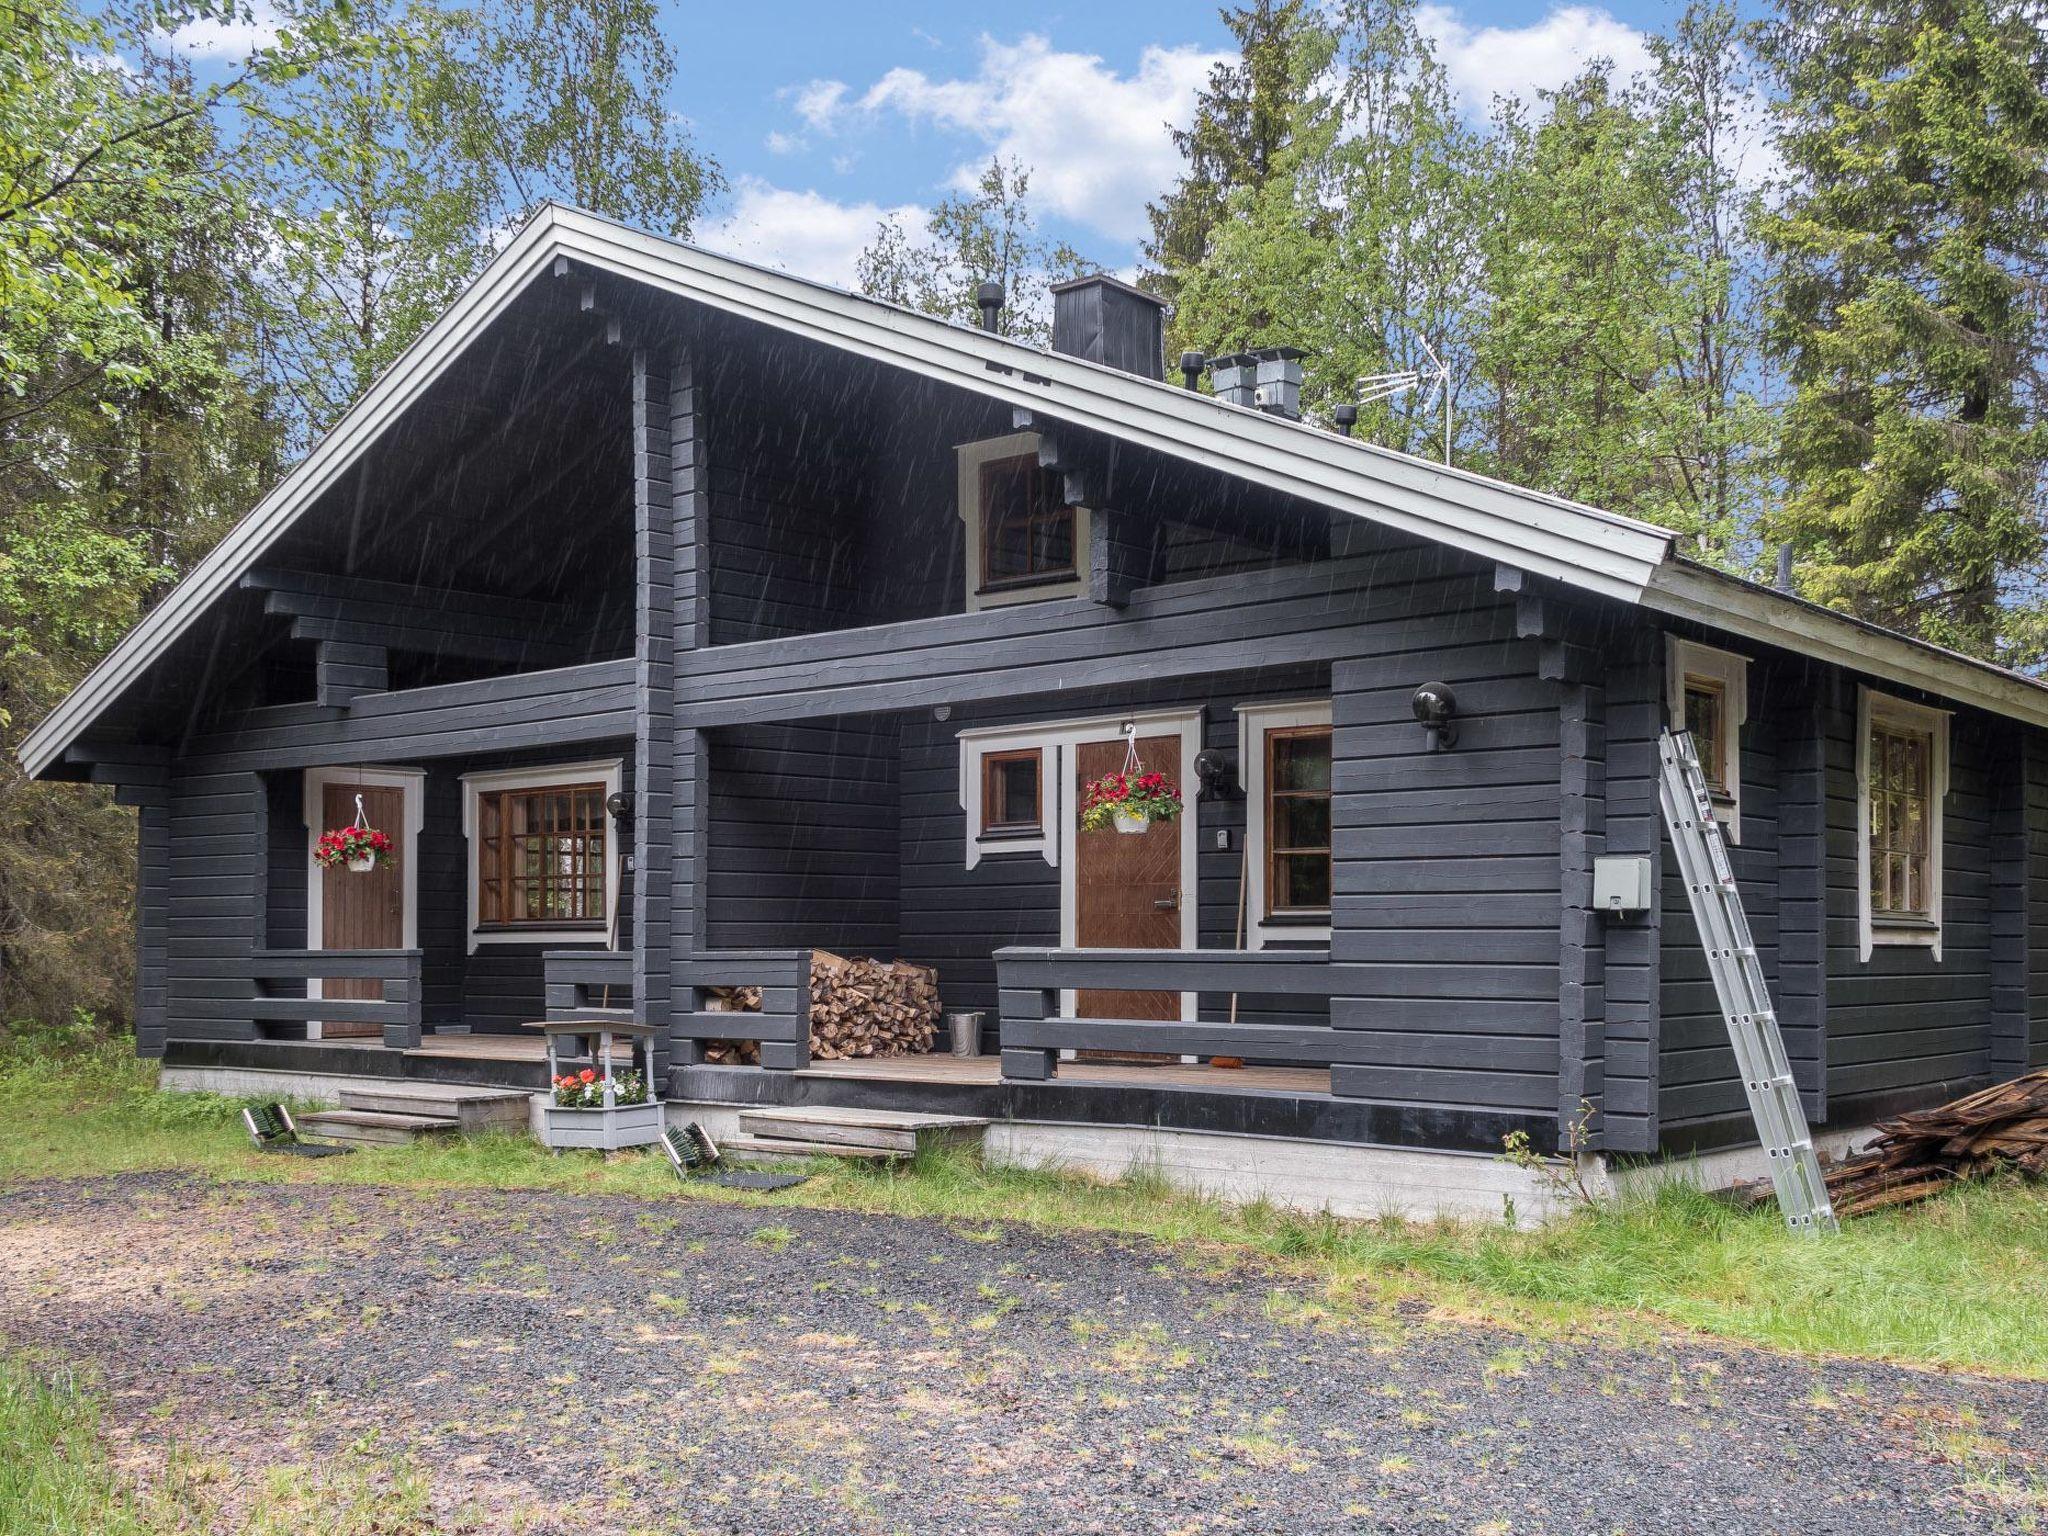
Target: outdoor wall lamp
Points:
(1437, 708)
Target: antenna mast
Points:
(1374, 387)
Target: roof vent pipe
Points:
(988, 298)
(1265, 379)
(1346, 417)
(1784, 567)
(1191, 366)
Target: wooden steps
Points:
(392, 1114)
(822, 1131)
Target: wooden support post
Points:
(1582, 939)
(2012, 856)
(344, 672)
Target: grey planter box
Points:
(624, 1125)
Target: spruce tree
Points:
(1910, 251)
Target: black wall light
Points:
(1437, 708)
(620, 807)
(1216, 773)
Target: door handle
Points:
(1167, 903)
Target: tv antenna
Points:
(1436, 377)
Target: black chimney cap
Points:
(1347, 417)
(1191, 366)
(988, 298)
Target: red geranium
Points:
(345, 843)
(1150, 795)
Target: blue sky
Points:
(827, 117)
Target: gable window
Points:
(1027, 533)
(1901, 781)
(1025, 542)
(1708, 696)
(1013, 793)
(542, 859)
(1285, 750)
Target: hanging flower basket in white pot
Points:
(1131, 799)
(357, 847)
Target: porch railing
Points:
(280, 978)
(783, 1026)
(1030, 983)
(588, 983)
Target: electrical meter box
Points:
(1621, 885)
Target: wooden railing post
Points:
(1022, 1008)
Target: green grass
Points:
(57, 1476)
(1960, 1281)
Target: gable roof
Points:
(1578, 546)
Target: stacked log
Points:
(732, 1053)
(1912, 1157)
(871, 1007)
(2000, 1129)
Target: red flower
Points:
(587, 1075)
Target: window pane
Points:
(1302, 763)
(1303, 882)
(1010, 793)
(1026, 529)
(1301, 822)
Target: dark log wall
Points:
(1864, 1037)
(1447, 863)
(803, 841)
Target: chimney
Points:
(1265, 379)
(1110, 322)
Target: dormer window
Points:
(1027, 534)
(1025, 541)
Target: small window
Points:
(1901, 782)
(1027, 530)
(541, 857)
(1901, 795)
(1706, 717)
(1298, 822)
(1012, 794)
(1708, 696)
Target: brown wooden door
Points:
(1127, 891)
(362, 911)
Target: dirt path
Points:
(730, 1370)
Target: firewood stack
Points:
(1916, 1155)
(733, 1053)
(871, 1007)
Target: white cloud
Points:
(1097, 142)
(801, 232)
(780, 143)
(1485, 62)
(230, 40)
(819, 103)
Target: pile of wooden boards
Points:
(858, 1008)
(1916, 1155)
(871, 1007)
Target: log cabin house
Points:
(676, 617)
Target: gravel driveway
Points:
(726, 1369)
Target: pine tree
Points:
(1910, 254)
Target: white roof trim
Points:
(1577, 545)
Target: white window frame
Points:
(971, 457)
(610, 773)
(1688, 658)
(1873, 708)
(1253, 722)
(977, 745)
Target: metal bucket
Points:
(965, 1029)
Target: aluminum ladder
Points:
(1739, 985)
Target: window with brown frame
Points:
(1298, 821)
(1706, 717)
(1012, 793)
(1901, 793)
(541, 857)
(1027, 530)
